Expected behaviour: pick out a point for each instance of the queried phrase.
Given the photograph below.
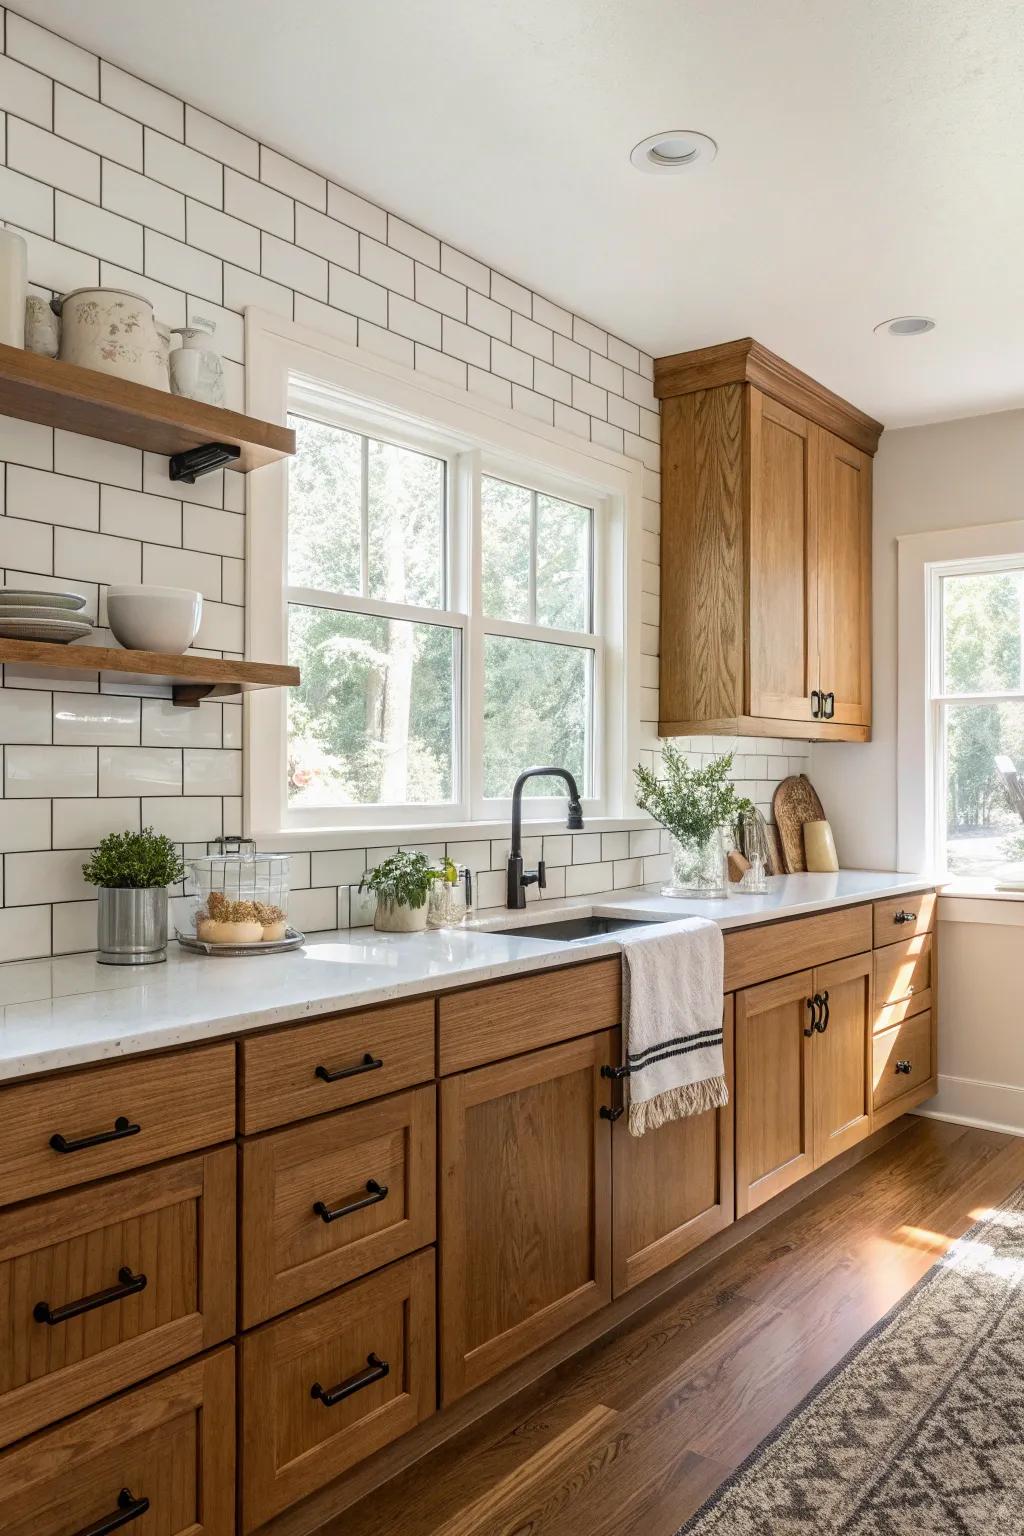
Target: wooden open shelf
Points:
(191, 678)
(94, 404)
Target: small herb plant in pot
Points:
(695, 805)
(133, 871)
(401, 885)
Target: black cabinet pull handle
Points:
(813, 1003)
(610, 1114)
(376, 1370)
(375, 1193)
(831, 706)
(122, 1127)
(816, 703)
(128, 1508)
(822, 1021)
(615, 1072)
(129, 1284)
(368, 1064)
(903, 916)
(904, 1066)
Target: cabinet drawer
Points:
(369, 1353)
(753, 955)
(371, 1173)
(112, 1118)
(169, 1443)
(507, 1018)
(902, 973)
(903, 917)
(902, 1059)
(158, 1248)
(293, 1074)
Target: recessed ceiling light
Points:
(906, 325)
(678, 150)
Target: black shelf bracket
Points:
(188, 466)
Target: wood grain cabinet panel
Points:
(753, 955)
(841, 1065)
(765, 550)
(331, 1199)
(904, 917)
(903, 1067)
(159, 1245)
(506, 1018)
(525, 1249)
(673, 1188)
(295, 1440)
(169, 1443)
(774, 1108)
(113, 1118)
(903, 975)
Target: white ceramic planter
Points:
(398, 919)
(42, 327)
(112, 331)
(196, 368)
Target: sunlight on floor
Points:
(969, 1253)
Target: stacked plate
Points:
(28, 614)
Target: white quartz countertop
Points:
(70, 1011)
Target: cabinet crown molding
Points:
(746, 361)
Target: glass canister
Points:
(450, 903)
(236, 895)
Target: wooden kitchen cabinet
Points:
(673, 1188)
(525, 1205)
(765, 550)
(803, 1093)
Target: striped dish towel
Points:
(672, 999)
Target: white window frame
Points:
(923, 560)
(292, 367)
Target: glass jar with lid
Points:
(235, 895)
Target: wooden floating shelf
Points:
(190, 678)
(57, 394)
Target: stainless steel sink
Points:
(569, 930)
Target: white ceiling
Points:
(871, 158)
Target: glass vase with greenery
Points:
(133, 871)
(695, 805)
(401, 885)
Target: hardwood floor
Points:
(630, 1436)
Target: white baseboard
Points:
(968, 1101)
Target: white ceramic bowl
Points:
(154, 618)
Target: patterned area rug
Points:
(920, 1429)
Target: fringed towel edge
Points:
(675, 1103)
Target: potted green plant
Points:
(694, 805)
(133, 871)
(401, 885)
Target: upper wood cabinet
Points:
(765, 550)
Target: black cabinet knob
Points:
(904, 1066)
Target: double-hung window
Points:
(976, 699)
(449, 609)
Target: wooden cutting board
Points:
(794, 802)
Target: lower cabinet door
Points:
(326, 1386)
(160, 1460)
(841, 1057)
(111, 1283)
(673, 1188)
(525, 1247)
(774, 1108)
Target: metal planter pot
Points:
(132, 926)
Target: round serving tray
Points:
(292, 940)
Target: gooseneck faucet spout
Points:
(519, 878)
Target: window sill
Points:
(321, 839)
(976, 900)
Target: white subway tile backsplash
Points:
(173, 262)
(165, 725)
(217, 532)
(222, 235)
(313, 911)
(440, 292)
(557, 850)
(531, 404)
(84, 823)
(414, 242)
(57, 162)
(74, 926)
(572, 357)
(552, 381)
(139, 197)
(356, 212)
(644, 842)
(576, 422)
(139, 770)
(134, 515)
(530, 337)
(486, 315)
(349, 291)
(295, 267)
(585, 879)
(413, 320)
(511, 364)
(52, 55)
(48, 498)
(94, 720)
(96, 557)
(221, 142)
(27, 545)
(463, 342)
(211, 772)
(512, 295)
(332, 322)
(166, 567)
(27, 202)
(222, 628)
(614, 845)
(25, 824)
(343, 867)
(196, 819)
(98, 232)
(463, 268)
(326, 236)
(57, 266)
(626, 872)
(32, 773)
(90, 458)
(26, 93)
(25, 442)
(383, 264)
(24, 933)
(83, 120)
(182, 168)
(480, 382)
(135, 98)
(25, 717)
(294, 180)
(587, 397)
